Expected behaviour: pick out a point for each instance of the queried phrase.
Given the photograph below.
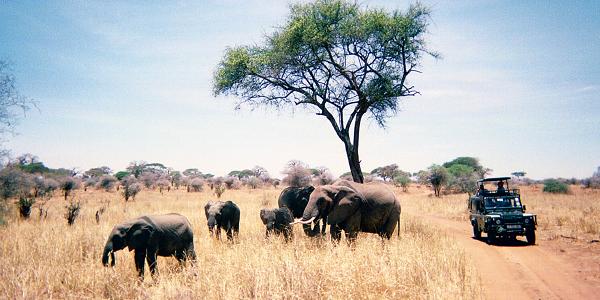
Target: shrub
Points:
(107, 182)
(297, 174)
(253, 182)
(197, 184)
(73, 209)
(24, 205)
(67, 185)
(130, 188)
(219, 190)
(92, 181)
(14, 182)
(163, 184)
(556, 187)
(148, 179)
(438, 176)
(402, 181)
(232, 183)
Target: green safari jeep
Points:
(499, 213)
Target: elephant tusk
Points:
(302, 221)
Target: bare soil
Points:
(552, 269)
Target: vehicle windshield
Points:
(505, 202)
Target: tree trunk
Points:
(353, 160)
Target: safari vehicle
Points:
(499, 213)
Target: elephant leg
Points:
(151, 259)
(218, 232)
(140, 256)
(323, 229)
(229, 234)
(389, 226)
(352, 227)
(335, 232)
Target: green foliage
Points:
(438, 176)
(389, 172)
(518, 174)
(98, 172)
(335, 57)
(556, 187)
(462, 179)
(403, 181)
(470, 162)
(121, 174)
(24, 204)
(35, 167)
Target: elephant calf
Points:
(224, 215)
(278, 221)
(149, 236)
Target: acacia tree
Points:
(11, 103)
(333, 57)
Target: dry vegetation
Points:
(48, 259)
(575, 215)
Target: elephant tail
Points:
(398, 227)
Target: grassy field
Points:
(575, 215)
(46, 258)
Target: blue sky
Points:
(518, 87)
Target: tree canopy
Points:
(335, 58)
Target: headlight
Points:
(498, 221)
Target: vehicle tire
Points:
(491, 238)
(530, 236)
(476, 232)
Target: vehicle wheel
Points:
(476, 232)
(491, 238)
(530, 235)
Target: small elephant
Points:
(354, 207)
(224, 215)
(296, 199)
(278, 221)
(149, 236)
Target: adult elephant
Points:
(149, 236)
(296, 199)
(224, 215)
(354, 207)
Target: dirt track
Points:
(518, 271)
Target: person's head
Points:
(500, 184)
(481, 186)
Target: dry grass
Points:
(574, 215)
(49, 259)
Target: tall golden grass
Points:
(46, 258)
(574, 215)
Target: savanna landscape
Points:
(127, 132)
(434, 257)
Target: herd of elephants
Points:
(345, 205)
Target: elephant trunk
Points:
(108, 249)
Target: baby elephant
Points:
(149, 236)
(278, 221)
(224, 215)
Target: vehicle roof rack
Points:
(493, 179)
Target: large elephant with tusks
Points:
(354, 207)
(296, 199)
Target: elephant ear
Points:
(138, 236)
(345, 203)
(263, 215)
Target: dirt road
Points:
(518, 271)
